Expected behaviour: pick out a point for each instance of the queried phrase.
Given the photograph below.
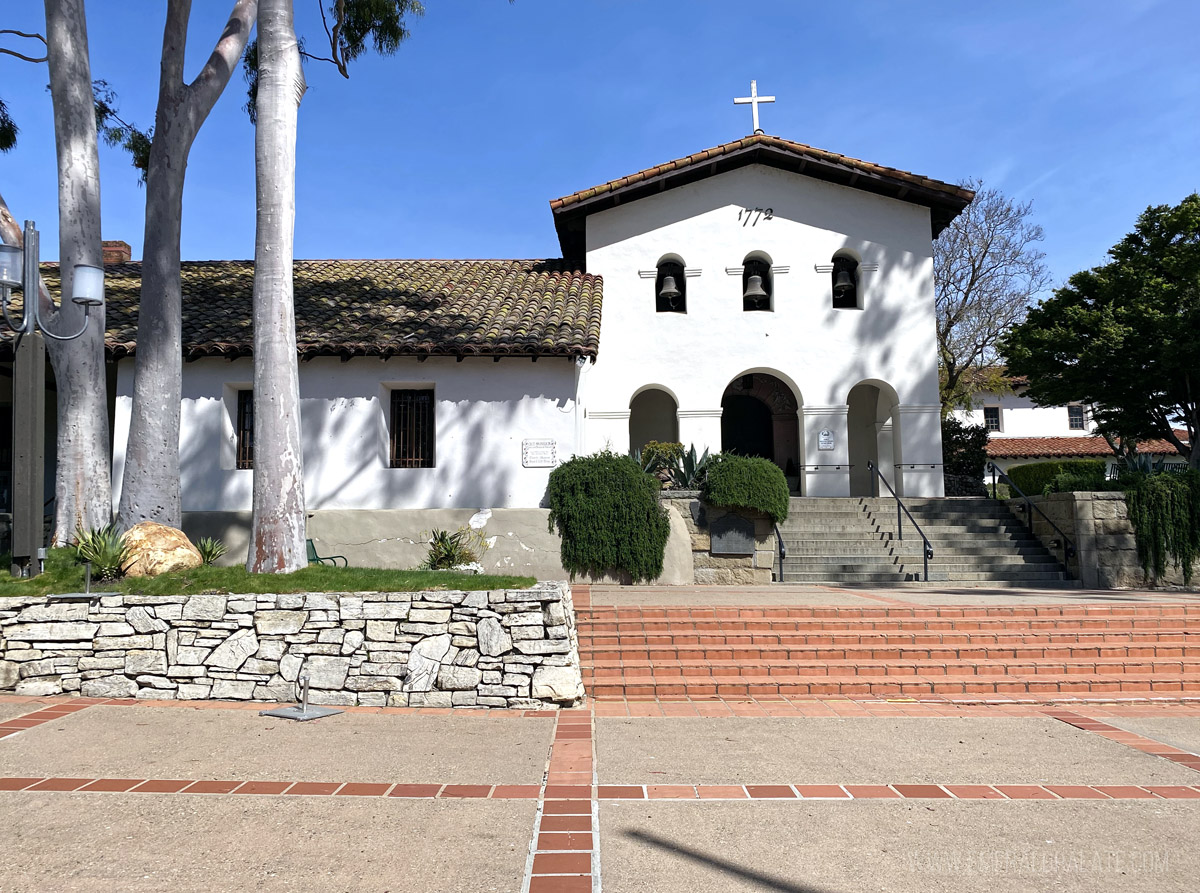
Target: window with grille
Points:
(991, 418)
(412, 429)
(245, 429)
(1075, 418)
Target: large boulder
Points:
(158, 549)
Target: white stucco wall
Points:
(483, 412)
(1020, 417)
(820, 352)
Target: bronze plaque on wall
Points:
(732, 535)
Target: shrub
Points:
(746, 482)
(447, 550)
(964, 448)
(656, 455)
(609, 517)
(1035, 477)
(105, 548)
(210, 549)
(1164, 510)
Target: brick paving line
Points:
(45, 714)
(1129, 739)
(571, 812)
(563, 856)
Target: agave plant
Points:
(104, 547)
(210, 549)
(447, 550)
(687, 471)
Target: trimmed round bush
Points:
(609, 517)
(746, 482)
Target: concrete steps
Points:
(858, 540)
(703, 652)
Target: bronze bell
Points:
(754, 291)
(669, 292)
(843, 284)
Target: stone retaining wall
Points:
(1098, 523)
(734, 570)
(503, 648)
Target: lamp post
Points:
(19, 269)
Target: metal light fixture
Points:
(19, 269)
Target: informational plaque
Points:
(732, 535)
(542, 453)
(825, 439)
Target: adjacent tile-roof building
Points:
(944, 200)
(1063, 447)
(381, 308)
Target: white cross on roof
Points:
(754, 99)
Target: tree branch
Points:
(22, 56)
(211, 80)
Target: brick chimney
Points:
(116, 252)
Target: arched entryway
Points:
(653, 416)
(759, 417)
(872, 435)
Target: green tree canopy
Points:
(1125, 336)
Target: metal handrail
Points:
(782, 550)
(927, 552)
(1030, 507)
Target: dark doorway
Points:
(746, 426)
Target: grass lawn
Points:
(62, 574)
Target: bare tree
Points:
(986, 271)
(279, 524)
(82, 482)
(150, 489)
(82, 476)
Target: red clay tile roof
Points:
(381, 308)
(944, 199)
(1027, 447)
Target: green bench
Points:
(314, 558)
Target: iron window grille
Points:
(245, 429)
(1075, 418)
(412, 429)
(991, 418)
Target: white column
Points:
(607, 430)
(700, 428)
(826, 471)
(886, 461)
(920, 449)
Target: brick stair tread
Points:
(717, 686)
(618, 654)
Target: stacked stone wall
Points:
(503, 648)
(731, 570)
(1106, 546)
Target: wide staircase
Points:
(1003, 651)
(976, 542)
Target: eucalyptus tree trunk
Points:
(150, 488)
(277, 538)
(82, 484)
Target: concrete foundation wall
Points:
(392, 538)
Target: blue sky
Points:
(454, 146)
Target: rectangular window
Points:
(412, 429)
(991, 418)
(1075, 417)
(245, 430)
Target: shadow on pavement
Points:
(764, 881)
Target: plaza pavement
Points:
(799, 796)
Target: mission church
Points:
(761, 296)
